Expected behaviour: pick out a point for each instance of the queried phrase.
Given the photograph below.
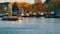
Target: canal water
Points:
(31, 26)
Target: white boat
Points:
(2, 15)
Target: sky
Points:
(28, 1)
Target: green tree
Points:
(15, 7)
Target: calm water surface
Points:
(31, 26)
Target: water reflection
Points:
(31, 26)
(20, 21)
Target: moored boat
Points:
(11, 18)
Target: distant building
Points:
(38, 1)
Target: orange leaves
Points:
(55, 1)
(27, 6)
(11, 3)
(47, 6)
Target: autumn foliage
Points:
(28, 7)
